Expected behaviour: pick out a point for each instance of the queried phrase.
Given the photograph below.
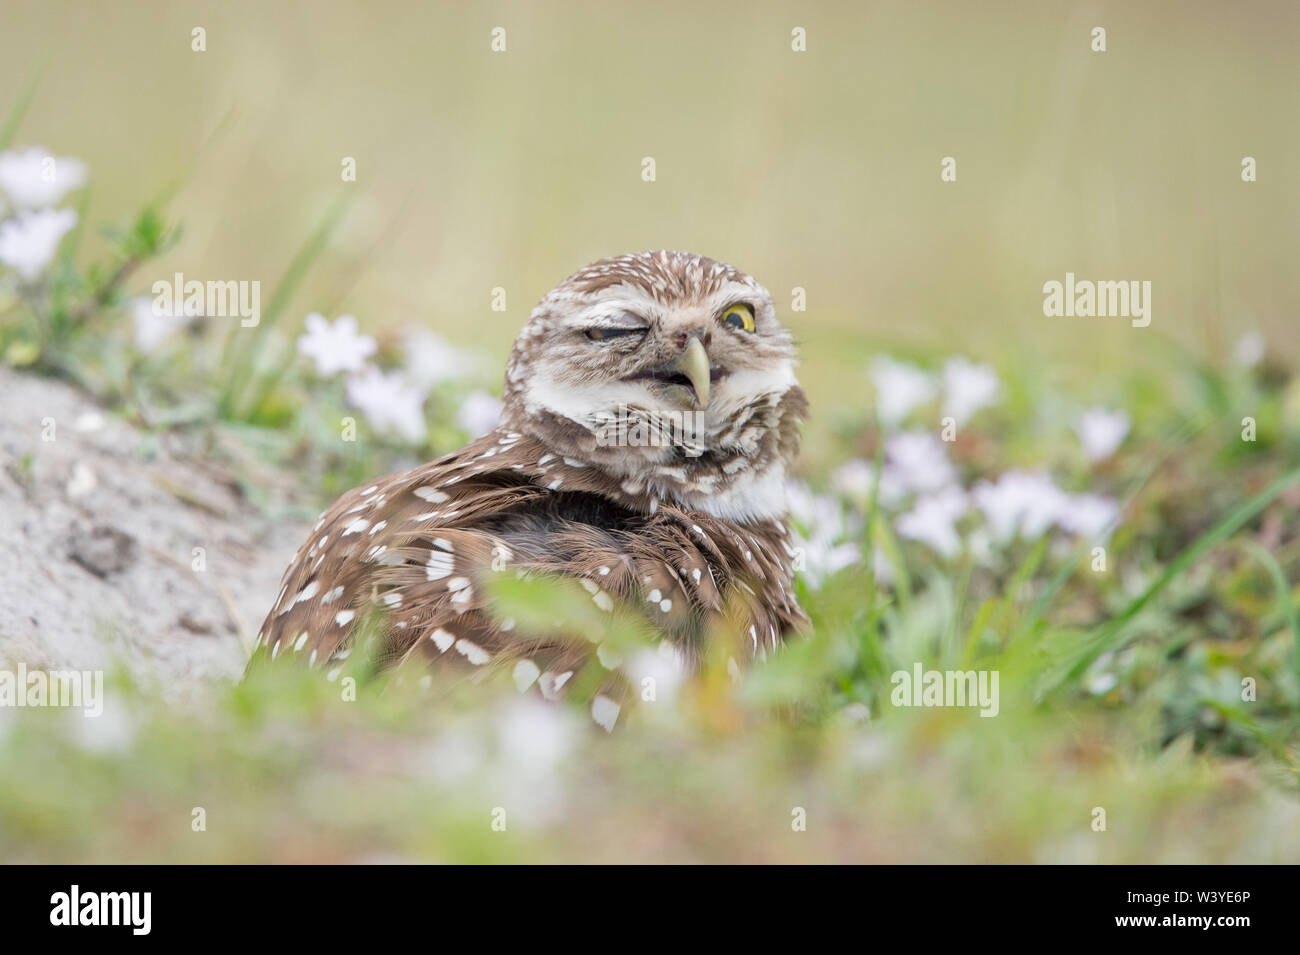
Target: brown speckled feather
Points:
(691, 533)
(417, 545)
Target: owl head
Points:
(669, 371)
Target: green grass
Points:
(287, 767)
(1121, 689)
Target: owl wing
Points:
(413, 551)
(405, 547)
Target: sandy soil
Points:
(115, 545)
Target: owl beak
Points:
(693, 362)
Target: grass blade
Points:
(1110, 634)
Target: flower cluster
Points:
(32, 183)
(921, 491)
(393, 401)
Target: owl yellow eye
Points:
(740, 315)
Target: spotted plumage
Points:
(651, 411)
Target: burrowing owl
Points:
(651, 412)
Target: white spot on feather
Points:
(307, 592)
(473, 652)
(605, 712)
(525, 674)
(440, 565)
(550, 684)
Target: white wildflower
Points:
(389, 403)
(1101, 432)
(154, 325)
(479, 413)
(1089, 515)
(535, 744)
(33, 179)
(915, 461)
(933, 521)
(665, 666)
(822, 534)
(854, 479)
(899, 388)
(337, 347)
(431, 359)
(534, 737)
(979, 544)
(967, 388)
(29, 240)
(1100, 677)
(1028, 504)
(1249, 350)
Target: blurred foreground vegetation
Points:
(1122, 687)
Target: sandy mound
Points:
(116, 545)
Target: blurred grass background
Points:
(818, 170)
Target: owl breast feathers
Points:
(651, 411)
